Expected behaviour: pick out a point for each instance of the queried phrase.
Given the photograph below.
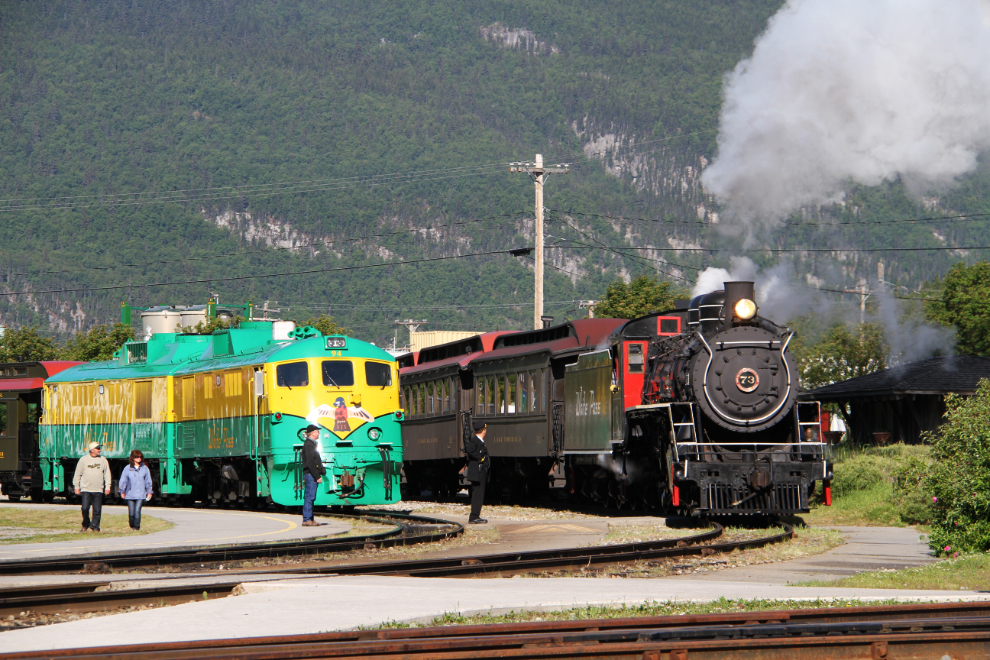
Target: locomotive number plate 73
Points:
(747, 380)
(336, 342)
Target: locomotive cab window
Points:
(378, 374)
(338, 373)
(293, 374)
(635, 358)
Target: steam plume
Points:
(862, 91)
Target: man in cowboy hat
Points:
(92, 482)
(313, 473)
(477, 472)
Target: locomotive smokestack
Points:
(740, 303)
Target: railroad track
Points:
(101, 596)
(403, 532)
(910, 631)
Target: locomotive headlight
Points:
(745, 309)
(374, 434)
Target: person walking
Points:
(313, 473)
(134, 486)
(92, 481)
(477, 472)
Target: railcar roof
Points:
(460, 353)
(960, 374)
(570, 337)
(171, 354)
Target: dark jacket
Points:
(312, 461)
(478, 462)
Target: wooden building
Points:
(903, 401)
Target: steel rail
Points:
(225, 553)
(96, 596)
(899, 631)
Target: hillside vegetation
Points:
(282, 122)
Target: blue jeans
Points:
(96, 501)
(309, 496)
(134, 513)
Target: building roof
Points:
(959, 374)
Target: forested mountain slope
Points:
(169, 141)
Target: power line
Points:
(253, 277)
(272, 248)
(737, 250)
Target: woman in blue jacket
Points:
(135, 487)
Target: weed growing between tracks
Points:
(29, 619)
(649, 608)
(967, 572)
(44, 525)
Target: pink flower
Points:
(934, 499)
(948, 548)
(955, 554)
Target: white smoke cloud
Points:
(778, 298)
(863, 91)
(781, 300)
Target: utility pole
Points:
(413, 327)
(539, 173)
(864, 292)
(590, 306)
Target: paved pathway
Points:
(193, 528)
(290, 607)
(865, 549)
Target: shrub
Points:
(959, 481)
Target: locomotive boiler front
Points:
(740, 372)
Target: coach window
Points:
(142, 400)
(524, 392)
(445, 384)
(3, 417)
(403, 398)
(292, 374)
(338, 373)
(378, 374)
(431, 398)
(492, 394)
(511, 391)
(422, 398)
(534, 390)
(189, 397)
(479, 396)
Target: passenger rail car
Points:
(219, 417)
(513, 382)
(21, 385)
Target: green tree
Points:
(644, 294)
(842, 354)
(959, 481)
(26, 345)
(98, 344)
(965, 304)
(325, 324)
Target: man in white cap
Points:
(92, 482)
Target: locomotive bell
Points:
(740, 303)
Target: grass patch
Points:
(968, 572)
(647, 609)
(31, 525)
(874, 486)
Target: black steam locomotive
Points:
(693, 409)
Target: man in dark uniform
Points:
(477, 472)
(313, 473)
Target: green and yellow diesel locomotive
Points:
(219, 416)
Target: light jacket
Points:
(134, 483)
(92, 474)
